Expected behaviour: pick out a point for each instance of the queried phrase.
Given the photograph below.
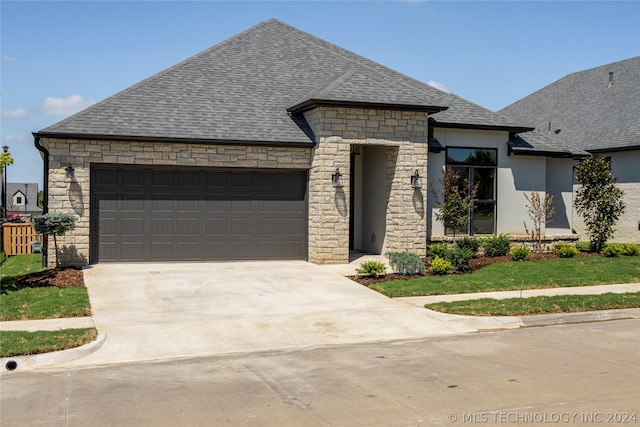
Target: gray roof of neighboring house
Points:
(29, 190)
(252, 88)
(590, 112)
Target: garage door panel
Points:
(158, 214)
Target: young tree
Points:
(540, 211)
(56, 224)
(457, 200)
(598, 200)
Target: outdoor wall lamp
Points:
(415, 180)
(336, 180)
(69, 171)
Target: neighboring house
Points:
(597, 110)
(22, 199)
(278, 145)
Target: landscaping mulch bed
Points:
(61, 277)
(474, 264)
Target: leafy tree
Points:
(56, 224)
(457, 200)
(41, 198)
(5, 160)
(540, 211)
(598, 200)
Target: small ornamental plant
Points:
(565, 250)
(519, 253)
(372, 268)
(406, 263)
(440, 266)
(611, 251)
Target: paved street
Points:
(580, 374)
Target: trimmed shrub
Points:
(612, 251)
(372, 268)
(565, 250)
(406, 263)
(495, 246)
(457, 256)
(629, 249)
(519, 253)
(471, 243)
(440, 266)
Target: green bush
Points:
(406, 263)
(457, 256)
(520, 252)
(495, 246)
(565, 250)
(612, 251)
(471, 243)
(372, 268)
(440, 266)
(628, 249)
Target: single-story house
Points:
(275, 144)
(22, 199)
(596, 110)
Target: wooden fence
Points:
(17, 238)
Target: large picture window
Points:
(478, 165)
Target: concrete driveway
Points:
(158, 311)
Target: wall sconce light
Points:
(415, 180)
(69, 171)
(336, 180)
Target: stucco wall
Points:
(404, 134)
(625, 167)
(73, 195)
(516, 175)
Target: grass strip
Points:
(515, 275)
(538, 305)
(16, 266)
(44, 303)
(22, 343)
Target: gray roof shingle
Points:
(590, 113)
(245, 89)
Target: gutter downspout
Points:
(45, 199)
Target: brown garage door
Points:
(191, 214)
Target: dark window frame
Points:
(471, 174)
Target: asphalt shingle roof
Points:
(590, 113)
(240, 91)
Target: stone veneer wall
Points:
(73, 196)
(336, 130)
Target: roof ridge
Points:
(155, 76)
(372, 66)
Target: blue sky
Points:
(58, 57)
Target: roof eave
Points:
(515, 129)
(137, 138)
(314, 103)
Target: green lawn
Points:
(18, 343)
(44, 303)
(545, 273)
(37, 303)
(16, 266)
(538, 305)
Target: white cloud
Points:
(15, 138)
(66, 106)
(438, 86)
(16, 112)
(8, 58)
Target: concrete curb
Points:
(36, 361)
(582, 317)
